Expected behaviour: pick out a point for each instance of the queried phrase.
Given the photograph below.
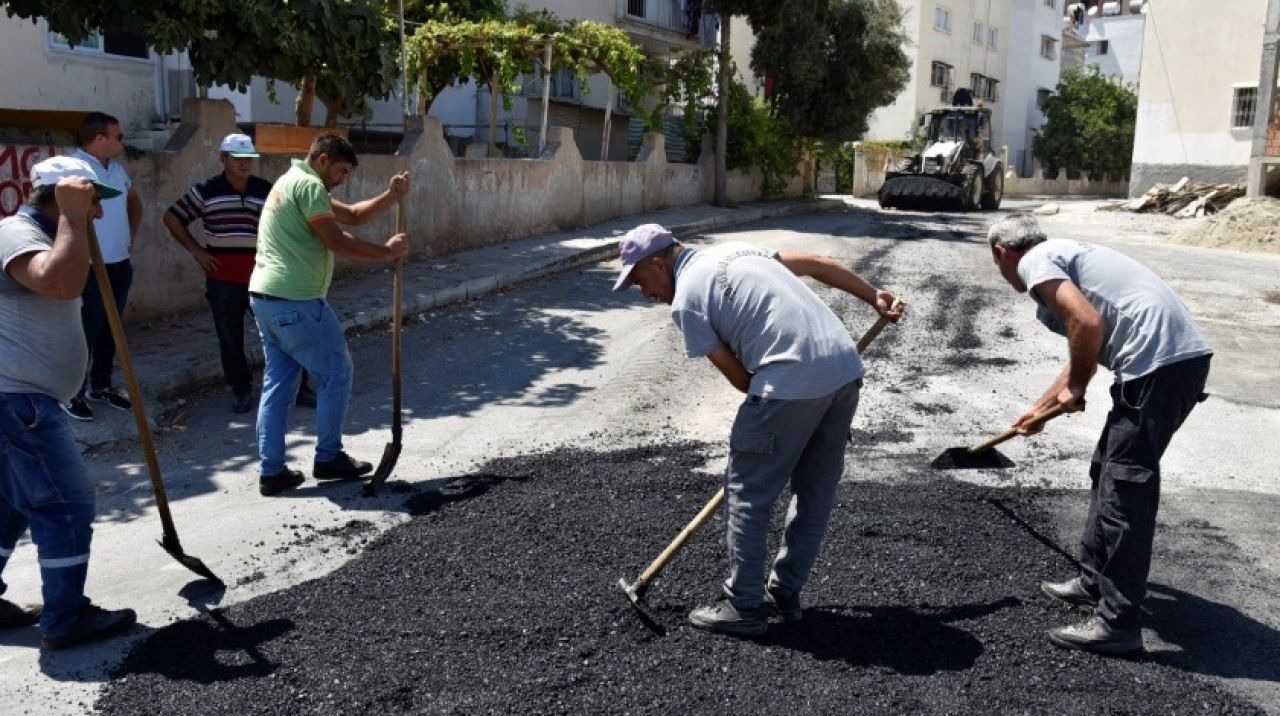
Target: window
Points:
(1048, 47)
(1243, 104)
(1042, 97)
(564, 85)
(993, 90)
(993, 39)
(977, 32)
(1094, 49)
(1051, 4)
(635, 8)
(941, 75)
(984, 87)
(942, 19)
(119, 44)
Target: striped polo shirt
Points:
(230, 222)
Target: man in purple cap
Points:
(44, 253)
(745, 309)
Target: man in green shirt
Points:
(298, 235)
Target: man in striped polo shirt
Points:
(229, 206)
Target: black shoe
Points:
(77, 409)
(286, 479)
(110, 396)
(92, 624)
(306, 398)
(786, 606)
(1096, 635)
(724, 618)
(341, 467)
(1072, 593)
(242, 402)
(13, 616)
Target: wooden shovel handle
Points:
(396, 318)
(659, 564)
(995, 440)
(875, 329)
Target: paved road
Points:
(560, 361)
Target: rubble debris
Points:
(1184, 199)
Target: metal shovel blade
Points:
(390, 455)
(960, 458)
(171, 545)
(642, 610)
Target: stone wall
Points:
(456, 203)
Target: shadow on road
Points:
(1211, 638)
(907, 640)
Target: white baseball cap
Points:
(53, 169)
(239, 146)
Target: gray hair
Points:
(1017, 231)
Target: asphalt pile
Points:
(500, 596)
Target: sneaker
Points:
(112, 397)
(1096, 635)
(242, 402)
(92, 624)
(286, 479)
(1072, 593)
(341, 467)
(13, 616)
(786, 606)
(724, 618)
(77, 409)
(306, 397)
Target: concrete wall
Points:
(1191, 62)
(456, 203)
(38, 76)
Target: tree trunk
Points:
(722, 118)
(306, 100)
(333, 109)
(608, 117)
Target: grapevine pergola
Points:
(497, 53)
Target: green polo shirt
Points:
(292, 261)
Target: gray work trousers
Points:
(773, 442)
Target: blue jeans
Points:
(297, 335)
(44, 485)
(93, 315)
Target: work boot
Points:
(93, 623)
(111, 396)
(724, 618)
(242, 402)
(13, 616)
(785, 606)
(286, 479)
(1096, 635)
(341, 467)
(1072, 593)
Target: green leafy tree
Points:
(1089, 126)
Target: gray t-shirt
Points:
(42, 348)
(741, 296)
(1145, 324)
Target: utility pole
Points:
(722, 118)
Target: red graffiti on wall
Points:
(16, 161)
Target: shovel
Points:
(391, 453)
(169, 541)
(984, 455)
(635, 591)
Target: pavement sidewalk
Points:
(177, 358)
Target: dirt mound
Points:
(500, 596)
(1245, 225)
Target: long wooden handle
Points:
(677, 544)
(131, 383)
(396, 318)
(875, 329)
(995, 440)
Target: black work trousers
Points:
(97, 330)
(1115, 549)
(229, 303)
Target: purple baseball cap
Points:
(639, 244)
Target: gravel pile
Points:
(1245, 225)
(500, 596)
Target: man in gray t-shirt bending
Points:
(1117, 313)
(744, 308)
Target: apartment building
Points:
(1198, 92)
(1106, 36)
(959, 43)
(1035, 56)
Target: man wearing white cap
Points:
(44, 253)
(744, 308)
(228, 206)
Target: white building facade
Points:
(1034, 67)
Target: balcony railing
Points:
(665, 14)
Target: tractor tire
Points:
(972, 197)
(994, 190)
